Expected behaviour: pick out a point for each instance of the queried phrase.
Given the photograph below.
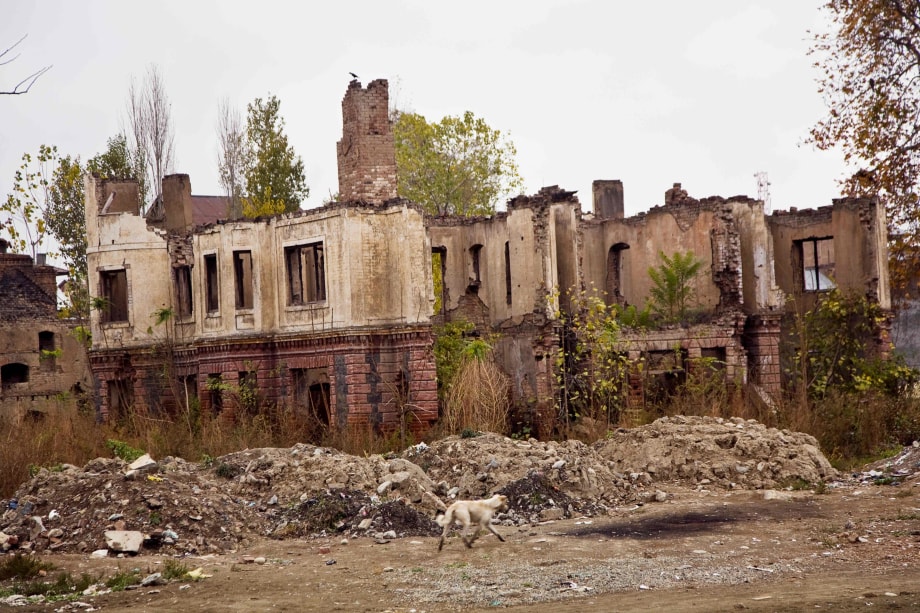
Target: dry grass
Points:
(74, 437)
(478, 398)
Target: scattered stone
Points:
(552, 514)
(124, 541)
(154, 579)
(259, 560)
(145, 462)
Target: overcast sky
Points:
(704, 93)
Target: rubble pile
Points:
(109, 506)
(172, 503)
(711, 451)
(474, 467)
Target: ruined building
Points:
(42, 364)
(331, 310)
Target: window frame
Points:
(185, 303)
(812, 247)
(241, 284)
(211, 283)
(116, 309)
(305, 272)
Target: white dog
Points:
(477, 513)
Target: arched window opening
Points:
(613, 284)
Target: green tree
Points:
(457, 166)
(24, 209)
(63, 213)
(825, 359)
(870, 65)
(47, 201)
(672, 285)
(120, 161)
(274, 173)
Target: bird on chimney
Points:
(354, 77)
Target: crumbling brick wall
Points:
(366, 152)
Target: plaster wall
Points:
(659, 230)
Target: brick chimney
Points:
(366, 153)
(177, 202)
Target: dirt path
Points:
(855, 546)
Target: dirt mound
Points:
(302, 471)
(304, 490)
(900, 468)
(400, 518)
(354, 513)
(714, 451)
(474, 467)
(177, 505)
(329, 511)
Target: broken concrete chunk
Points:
(124, 541)
(552, 513)
(144, 464)
(154, 579)
(399, 478)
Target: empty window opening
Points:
(438, 270)
(242, 270)
(215, 387)
(46, 341)
(115, 295)
(14, 372)
(475, 261)
(183, 276)
(121, 398)
(713, 357)
(818, 264)
(306, 273)
(189, 385)
(311, 392)
(665, 375)
(508, 273)
(212, 289)
(613, 283)
(46, 352)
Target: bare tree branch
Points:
(231, 155)
(29, 81)
(151, 126)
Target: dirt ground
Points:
(691, 515)
(700, 551)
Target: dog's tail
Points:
(444, 518)
(438, 503)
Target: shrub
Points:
(592, 367)
(672, 285)
(478, 398)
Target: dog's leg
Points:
(493, 531)
(448, 519)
